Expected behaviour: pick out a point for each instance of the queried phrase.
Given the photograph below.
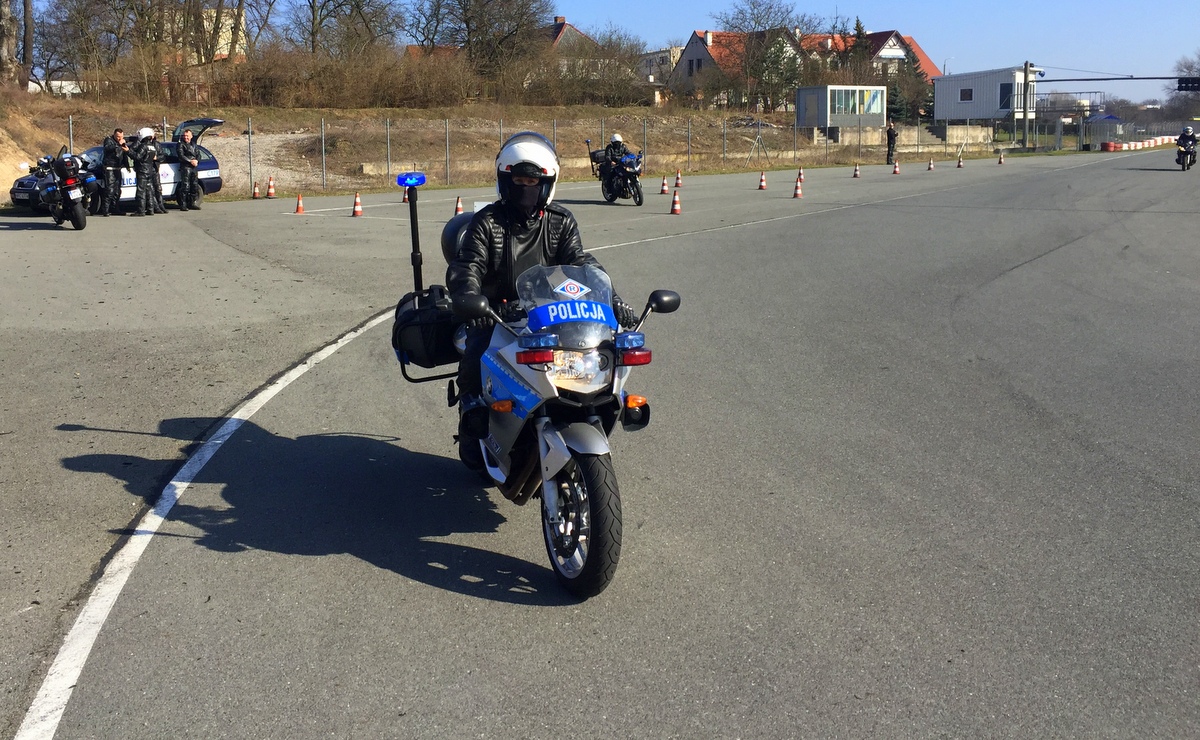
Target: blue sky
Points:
(1114, 38)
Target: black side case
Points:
(423, 334)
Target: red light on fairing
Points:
(535, 356)
(635, 357)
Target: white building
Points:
(995, 94)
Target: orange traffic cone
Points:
(678, 179)
(405, 199)
(856, 173)
(271, 187)
(457, 206)
(299, 203)
(797, 193)
(255, 196)
(664, 190)
(675, 209)
(762, 181)
(896, 168)
(1001, 158)
(960, 164)
(357, 206)
(930, 165)
(800, 176)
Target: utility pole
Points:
(1025, 100)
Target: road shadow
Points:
(329, 494)
(1154, 169)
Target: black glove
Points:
(485, 322)
(626, 316)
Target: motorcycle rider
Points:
(145, 167)
(522, 229)
(189, 185)
(1186, 138)
(116, 151)
(612, 156)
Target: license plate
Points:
(75, 193)
(20, 196)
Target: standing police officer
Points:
(189, 186)
(116, 151)
(145, 166)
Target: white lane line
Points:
(41, 721)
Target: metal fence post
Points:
(387, 126)
(554, 133)
(250, 148)
(71, 133)
(724, 140)
(689, 153)
(501, 132)
(644, 145)
(447, 151)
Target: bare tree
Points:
(500, 37)
(8, 44)
(1184, 104)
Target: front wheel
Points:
(78, 216)
(606, 190)
(584, 544)
(637, 193)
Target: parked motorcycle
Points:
(65, 187)
(554, 378)
(621, 179)
(1186, 156)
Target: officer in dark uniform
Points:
(160, 156)
(116, 151)
(189, 185)
(145, 166)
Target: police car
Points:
(25, 190)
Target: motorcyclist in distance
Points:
(522, 229)
(612, 155)
(1187, 137)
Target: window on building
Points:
(966, 95)
(699, 63)
(691, 67)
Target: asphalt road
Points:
(922, 463)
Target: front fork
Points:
(554, 452)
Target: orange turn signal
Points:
(502, 407)
(635, 402)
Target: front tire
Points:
(606, 190)
(585, 545)
(637, 193)
(78, 216)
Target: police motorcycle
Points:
(623, 180)
(65, 187)
(1186, 156)
(554, 380)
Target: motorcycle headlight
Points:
(579, 372)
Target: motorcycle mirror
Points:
(471, 306)
(663, 301)
(24, 167)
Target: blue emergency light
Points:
(410, 179)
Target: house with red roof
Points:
(715, 58)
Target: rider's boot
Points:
(472, 427)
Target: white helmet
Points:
(527, 154)
(145, 132)
(616, 139)
(1187, 129)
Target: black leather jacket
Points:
(146, 157)
(187, 152)
(1185, 139)
(615, 150)
(114, 155)
(501, 244)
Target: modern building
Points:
(994, 94)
